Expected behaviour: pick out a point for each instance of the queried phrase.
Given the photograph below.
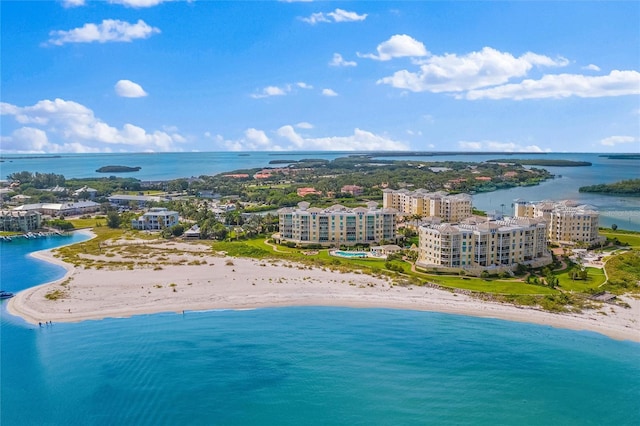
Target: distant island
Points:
(282, 161)
(543, 162)
(29, 157)
(117, 169)
(629, 187)
(621, 156)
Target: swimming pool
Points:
(359, 254)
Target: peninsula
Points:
(629, 187)
(543, 162)
(144, 277)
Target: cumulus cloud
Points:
(591, 67)
(453, 73)
(269, 91)
(280, 90)
(137, 4)
(109, 30)
(304, 125)
(498, 146)
(338, 61)
(329, 92)
(617, 83)
(72, 3)
(67, 126)
(129, 89)
(398, 46)
(618, 140)
(338, 15)
(286, 138)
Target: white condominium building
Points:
(483, 244)
(568, 222)
(156, 219)
(337, 224)
(450, 208)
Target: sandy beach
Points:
(219, 282)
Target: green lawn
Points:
(89, 223)
(633, 239)
(595, 277)
(499, 286)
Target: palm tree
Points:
(417, 218)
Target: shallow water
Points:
(311, 365)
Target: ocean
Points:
(622, 211)
(304, 365)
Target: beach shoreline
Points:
(220, 282)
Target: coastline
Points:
(219, 282)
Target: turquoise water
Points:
(19, 271)
(623, 211)
(310, 365)
(350, 253)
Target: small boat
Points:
(5, 295)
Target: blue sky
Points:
(153, 75)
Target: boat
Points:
(5, 294)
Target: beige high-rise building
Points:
(337, 224)
(481, 244)
(450, 208)
(568, 221)
(20, 221)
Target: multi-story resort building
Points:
(478, 244)
(568, 222)
(61, 209)
(156, 219)
(20, 221)
(337, 225)
(450, 208)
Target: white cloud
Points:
(286, 138)
(329, 92)
(498, 146)
(453, 73)
(32, 140)
(129, 89)
(591, 67)
(339, 15)
(110, 30)
(269, 91)
(73, 3)
(338, 61)
(304, 125)
(257, 137)
(617, 140)
(398, 46)
(280, 90)
(72, 127)
(137, 4)
(290, 135)
(617, 83)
